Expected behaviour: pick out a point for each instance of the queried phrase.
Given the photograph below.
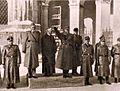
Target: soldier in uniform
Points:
(65, 53)
(103, 61)
(88, 60)
(11, 60)
(49, 49)
(115, 52)
(31, 47)
(96, 60)
(77, 44)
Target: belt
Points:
(117, 53)
(11, 56)
(87, 54)
(32, 41)
(66, 44)
(104, 55)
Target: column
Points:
(12, 10)
(81, 20)
(105, 15)
(98, 19)
(74, 14)
(45, 7)
(116, 20)
(35, 11)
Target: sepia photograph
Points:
(59, 45)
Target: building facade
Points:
(92, 17)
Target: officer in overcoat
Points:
(49, 49)
(11, 60)
(115, 52)
(65, 52)
(77, 44)
(88, 60)
(31, 47)
(103, 61)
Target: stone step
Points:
(58, 81)
(55, 82)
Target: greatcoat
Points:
(115, 52)
(88, 59)
(65, 53)
(77, 45)
(49, 49)
(31, 47)
(103, 60)
(96, 60)
(11, 58)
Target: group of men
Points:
(71, 53)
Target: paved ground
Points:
(97, 87)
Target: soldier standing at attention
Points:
(115, 52)
(88, 60)
(96, 60)
(31, 47)
(77, 44)
(11, 60)
(103, 61)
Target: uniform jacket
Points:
(88, 59)
(103, 60)
(31, 47)
(10, 58)
(115, 52)
(96, 60)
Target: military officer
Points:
(115, 52)
(65, 52)
(103, 61)
(77, 44)
(88, 60)
(31, 47)
(11, 60)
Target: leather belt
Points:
(104, 55)
(11, 56)
(117, 53)
(87, 54)
(31, 41)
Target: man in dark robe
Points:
(49, 49)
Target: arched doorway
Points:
(90, 19)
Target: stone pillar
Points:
(116, 20)
(45, 7)
(12, 10)
(98, 19)
(105, 9)
(74, 14)
(35, 11)
(81, 20)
